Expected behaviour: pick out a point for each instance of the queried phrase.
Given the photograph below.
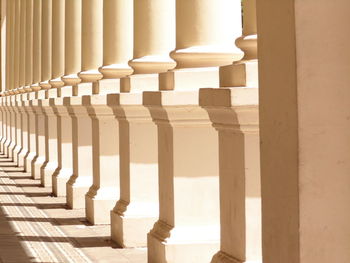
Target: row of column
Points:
(114, 112)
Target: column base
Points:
(16, 151)
(77, 187)
(59, 181)
(130, 231)
(28, 161)
(36, 167)
(171, 250)
(11, 150)
(99, 203)
(22, 157)
(47, 172)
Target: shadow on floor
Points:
(79, 242)
(11, 249)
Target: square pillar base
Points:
(59, 181)
(161, 251)
(128, 231)
(47, 172)
(36, 167)
(76, 191)
(97, 210)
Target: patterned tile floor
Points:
(37, 227)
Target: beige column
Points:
(20, 89)
(154, 39)
(9, 71)
(208, 41)
(72, 65)
(16, 44)
(117, 38)
(304, 111)
(9, 9)
(46, 44)
(16, 67)
(37, 19)
(29, 38)
(51, 159)
(28, 81)
(73, 34)
(245, 71)
(92, 40)
(234, 113)
(58, 40)
(33, 77)
(22, 43)
(9, 5)
(206, 44)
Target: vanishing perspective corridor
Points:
(35, 227)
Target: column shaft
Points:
(29, 36)
(46, 44)
(92, 40)
(22, 43)
(37, 19)
(117, 38)
(154, 36)
(58, 27)
(16, 45)
(73, 35)
(208, 41)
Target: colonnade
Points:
(103, 104)
(145, 114)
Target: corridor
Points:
(37, 227)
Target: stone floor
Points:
(37, 227)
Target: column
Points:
(205, 45)
(117, 38)
(9, 71)
(22, 39)
(24, 154)
(185, 133)
(234, 113)
(51, 158)
(305, 158)
(37, 19)
(72, 65)
(33, 76)
(18, 103)
(10, 103)
(16, 44)
(154, 38)
(58, 34)
(92, 40)
(46, 71)
(46, 44)
(72, 52)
